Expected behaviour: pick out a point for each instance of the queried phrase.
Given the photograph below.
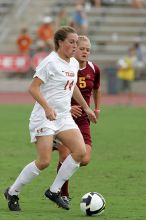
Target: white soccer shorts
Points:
(46, 127)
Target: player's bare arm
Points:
(34, 90)
(96, 100)
(79, 98)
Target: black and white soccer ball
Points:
(92, 203)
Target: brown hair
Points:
(61, 34)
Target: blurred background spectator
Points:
(79, 20)
(126, 73)
(45, 31)
(140, 60)
(24, 41)
(62, 18)
(138, 3)
(96, 3)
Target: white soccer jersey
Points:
(59, 79)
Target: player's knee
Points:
(85, 161)
(81, 154)
(43, 164)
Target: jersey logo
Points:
(88, 76)
(41, 130)
(70, 74)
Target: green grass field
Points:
(117, 169)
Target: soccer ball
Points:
(92, 203)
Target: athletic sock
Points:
(28, 173)
(68, 168)
(64, 189)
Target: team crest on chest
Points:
(88, 76)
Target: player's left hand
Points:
(91, 115)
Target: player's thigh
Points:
(73, 140)
(84, 127)
(44, 147)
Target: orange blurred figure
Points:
(24, 41)
(45, 31)
(138, 3)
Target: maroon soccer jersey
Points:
(88, 79)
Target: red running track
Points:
(25, 98)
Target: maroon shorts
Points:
(84, 126)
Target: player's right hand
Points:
(50, 113)
(76, 111)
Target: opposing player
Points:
(88, 83)
(52, 87)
